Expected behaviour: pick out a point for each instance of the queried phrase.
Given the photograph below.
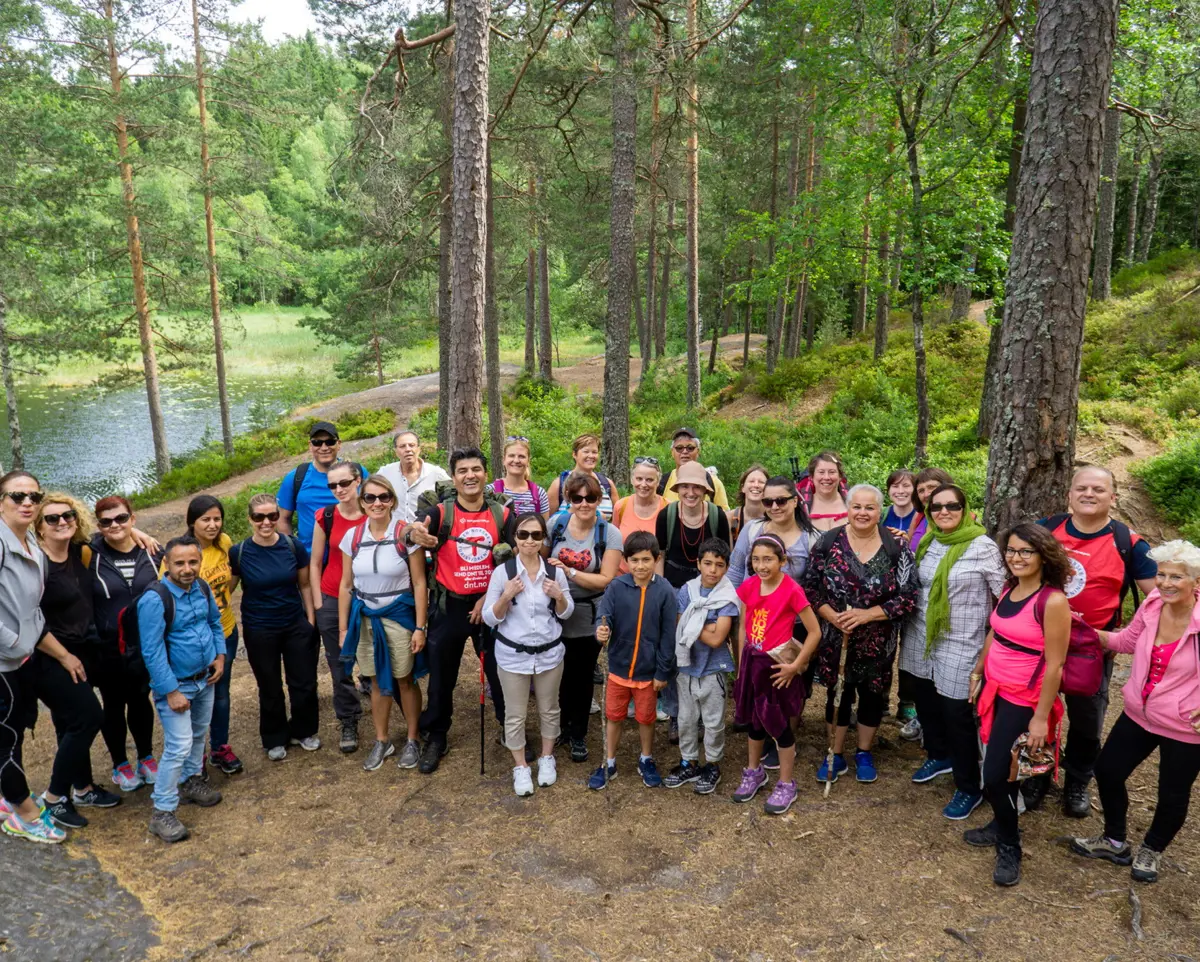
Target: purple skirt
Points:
(758, 703)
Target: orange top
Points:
(627, 521)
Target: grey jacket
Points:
(22, 576)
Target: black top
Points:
(683, 553)
(67, 600)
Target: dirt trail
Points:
(588, 375)
(1117, 449)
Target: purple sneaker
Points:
(781, 798)
(752, 780)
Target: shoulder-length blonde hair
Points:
(83, 517)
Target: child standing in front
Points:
(637, 615)
(707, 610)
(769, 690)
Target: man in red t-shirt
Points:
(1108, 560)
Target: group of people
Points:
(694, 601)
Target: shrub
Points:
(1173, 481)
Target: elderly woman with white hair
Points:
(1162, 710)
(863, 582)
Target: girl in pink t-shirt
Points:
(769, 693)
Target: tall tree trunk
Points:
(716, 322)
(621, 247)
(545, 332)
(10, 392)
(1032, 452)
(467, 286)
(1150, 208)
(772, 351)
(917, 299)
(1109, 159)
(987, 404)
(491, 328)
(445, 241)
(652, 228)
(531, 364)
(645, 349)
(664, 291)
(810, 182)
(960, 302)
(692, 257)
(749, 311)
(1015, 147)
(1135, 183)
(883, 296)
(214, 287)
(784, 337)
(863, 293)
(141, 303)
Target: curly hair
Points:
(1056, 563)
(83, 518)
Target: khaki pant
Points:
(399, 641)
(516, 704)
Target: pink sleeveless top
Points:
(1016, 650)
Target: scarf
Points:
(695, 615)
(404, 613)
(937, 610)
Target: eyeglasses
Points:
(529, 536)
(323, 442)
(517, 437)
(384, 498)
(341, 485)
(56, 519)
(20, 497)
(946, 506)
(1023, 553)
(580, 499)
(116, 519)
(687, 448)
(259, 518)
(653, 462)
(776, 502)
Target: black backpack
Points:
(129, 636)
(510, 572)
(1123, 542)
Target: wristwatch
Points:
(570, 574)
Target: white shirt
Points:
(380, 570)
(528, 621)
(407, 494)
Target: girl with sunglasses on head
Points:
(527, 497)
(639, 511)
(278, 619)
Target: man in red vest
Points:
(1109, 560)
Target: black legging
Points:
(870, 705)
(1009, 722)
(76, 716)
(575, 692)
(948, 726)
(123, 698)
(1128, 745)
(18, 706)
(785, 740)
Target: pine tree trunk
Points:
(987, 404)
(652, 228)
(1016, 145)
(883, 297)
(531, 365)
(445, 242)
(863, 294)
(491, 329)
(917, 300)
(960, 302)
(467, 287)
(645, 349)
(664, 287)
(1109, 159)
(1135, 183)
(716, 325)
(621, 247)
(810, 182)
(1032, 452)
(10, 392)
(545, 332)
(692, 256)
(772, 350)
(1150, 209)
(749, 311)
(141, 303)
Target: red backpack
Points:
(1083, 670)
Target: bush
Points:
(1173, 481)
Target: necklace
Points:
(685, 543)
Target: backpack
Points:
(291, 543)
(714, 520)
(302, 471)
(1083, 671)
(535, 492)
(558, 534)
(510, 571)
(1123, 542)
(396, 539)
(129, 637)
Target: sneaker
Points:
(6, 809)
(410, 755)
(983, 837)
(781, 798)
(310, 744)
(432, 753)
(595, 707)
(661, 715)
(930, 769)
(962, 805)
(579, 750)
(752, 780)
(673, 732)
(1145, 864)
(197, 791)
(1008, 864)
(910, 731)
(147, 768)
(710, 778)
(95, 797)
(223, 759)
(599, 779)
(681, 774)
(126, 779)
(649, 772)
(39, 830)
(864, 767)
(522, 781)
(547, 771)
(348, 739)
(631, 711)
(166, 825)
(277, 754)
(770, 759)
(1101, 846)
(906, 712)
(839, 766)
(1076, 801)
(379, 752)
(63, 814)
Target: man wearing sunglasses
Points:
(304, 491)
(411, 475)
(685, 447)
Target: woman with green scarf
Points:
(962, 573)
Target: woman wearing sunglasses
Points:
(586, 451)
(277, 619)
(527, 497)
(1016, 679)
(639, 511)
(961, 574)
(587, 549)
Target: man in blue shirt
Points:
(185, 660)
(300, 501)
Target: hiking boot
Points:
(1101, 846)
(63, 814)
(522, 781)
(770, 758)
(348, 739)
(673, 732)
(431, 756)
(752, 780)
(1008, 864)
(1033, 791)
(781, 798)
(649, 772)
(839, 766)
(962, 805)
(600, 778)
(864, 767)
(167, 827)
(910, 731)
(547, 771)
(197, 791)
(277, 754)
(126, 779)
(931, 769)
(686, 771)
(579, 750)
(225, 761)
(710, 778)
(410, 755)
(379, 752)
(147, 768)
(983, 837)
(95, 797)
(1076, 802)
(41, 829)
(1145, 864)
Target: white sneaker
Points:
(910, 731)
(311, 743)
(277, 754)
(662, 716)
(595, 709)
(523, 780)
(631, 711)
(547, 771)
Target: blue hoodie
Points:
(650, 655)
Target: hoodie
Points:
(22, 577)
(647, 654)
(110, 591)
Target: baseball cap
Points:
(685, 433)
(323, 427)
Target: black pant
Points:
(948, 725)
(123, 698)
(448, 634)
(576, 689)
(346, 705)
(18, 711)
(77, 717)
(1085, 729)
(870, 705)
(1128, 745)
(1009, 722)
(786, 740)
(296, 649)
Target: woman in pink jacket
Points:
(1162, 710)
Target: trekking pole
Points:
(838, 691)
(604, 716)
(482, 736)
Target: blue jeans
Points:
(219, 733)
(183, 741)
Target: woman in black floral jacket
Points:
(862, 582)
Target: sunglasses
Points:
(777, 502)
(580, 499)
(517, 437)
(117, 519)
(687, 448)
(341, 485)
(56, 519)
(259, 518)
(323, 442)
(529, 536)
(20, 497)
(1023, 553)
(653, 462)
(381, 498)
(946, 506)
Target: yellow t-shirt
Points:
(719, 498)
(214, 568)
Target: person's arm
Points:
(664, 649)
(599, 580)
(420, 587)
(152, 626)
(564, 606)
(1056, 629)
(741, 635)
(344, 587)
(554, 495)
(715, 632)
(315, 564)
(976, 685)
(423, 531)
(303, 576)
(1125, 640)
(283, 501)
(812, 639)
(498, 598)
(741, 555)
(216, 667)
(148, 542)
(53, 647)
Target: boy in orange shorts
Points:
(636, 620)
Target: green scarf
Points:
(937, 611)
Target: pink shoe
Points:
(148, 769)
(125, 778)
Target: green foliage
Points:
(1173, 480)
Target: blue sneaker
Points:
(931, 769)
(864, 767)
(962, 805)
(839, 766)
(649, 772)
(599, 781)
